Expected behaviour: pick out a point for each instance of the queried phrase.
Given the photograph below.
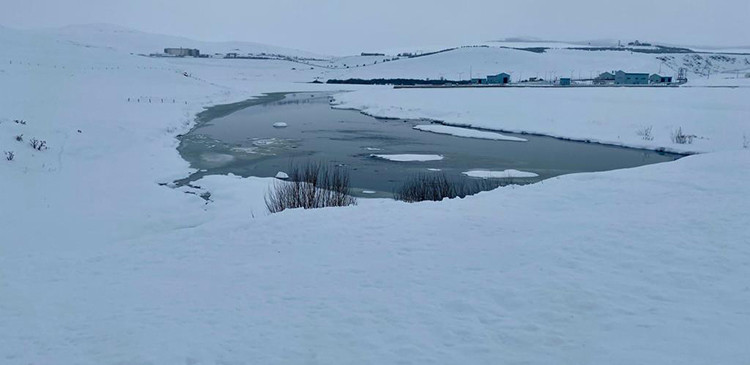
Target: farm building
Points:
(501, 78)
(658, 79)
(605, 78)
(565, 81)
(182, 52)
(628, 78)
(478, 81)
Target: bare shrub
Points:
(745, 141)
(9, 155)
(645, 133)
(311, 185)
(37, 144)
(19, 138)
(681, 138)
(436, 187)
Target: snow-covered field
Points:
(100, 264)
(719, 118)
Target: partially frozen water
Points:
(241, 139)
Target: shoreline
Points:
(527, 133)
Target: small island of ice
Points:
(505, 174)
(409, 157)
(466, 132)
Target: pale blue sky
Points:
(340, 26)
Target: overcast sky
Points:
(348, 26)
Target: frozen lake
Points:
(264, 136)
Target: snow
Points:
(466, 132)
(408, 157)
(279, 125)
(282, 175)
(505, 174)
(100, 264)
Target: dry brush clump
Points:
(679, 137)
(646, 133)
(436, 187)
(37, 144)
(311, 185)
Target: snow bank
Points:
(466, 132)
(505, 174)
(618, 116)
(409, 157)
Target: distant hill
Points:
(134, 41)
(541, 62)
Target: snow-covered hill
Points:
(464, 62)
(129, 40)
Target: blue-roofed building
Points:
(565, 81)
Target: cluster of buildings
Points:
(613, 78)
(631, 78)
(606, 78)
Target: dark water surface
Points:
(241, 139)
